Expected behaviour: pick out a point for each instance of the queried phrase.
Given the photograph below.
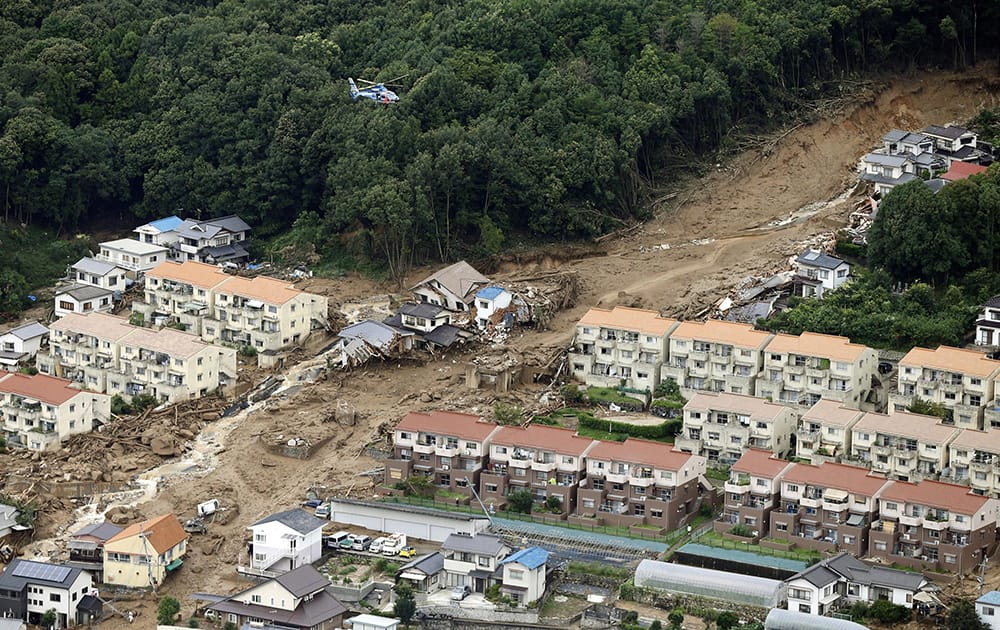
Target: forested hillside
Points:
(547, 118)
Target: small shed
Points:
(679, 578)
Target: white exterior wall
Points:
(631, 356)
(40, 597)
(12, 343)
(47, 427)
(131, 260)
(283, 549)
(486, 308)
(114, 280)
(531, 579)
(66, 304)
(989, 614)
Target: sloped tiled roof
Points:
(447, 423)
(41, 387)
(269, 290)
(759, 463)
(838, 476)
(817, 345)
(757, 408)
(926, 429)
(530, 557)
(635, 451)
(632, 319)
(719, 331)
(962, 170)
(190, 272)
(162, 533)
(301, 521)
(832, 413)
(460, 278)
(959, 360)
(545, 438)
(936, 494)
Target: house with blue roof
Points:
(489, 303)
(988, 609)
(159, 232)
(524, 575)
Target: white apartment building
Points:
(825, 431)
(961, 380)
(264, 313)
(716, 356)
(720, 427)
(180, 293)
(904, 446)
(621, 345)
(132, 255)
(974, 460)
(107, 354)
(800, 370)
(40, 411)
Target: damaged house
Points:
(430, 324)
(369, 339)
(453, 288)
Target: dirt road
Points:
(727, 215)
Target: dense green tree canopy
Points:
(548, 118)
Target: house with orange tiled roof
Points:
(106, 353)
(620, 345)
(824, 431)
(722, 426)
(904, 446)
(41, 411)
(261, 312)
(640, 483)
(715, 356)
(799, 370)
(934, 525)
(961, 380)
(143, 554)
(447, 447)
(752, 491)
(828, 507)
(544, 460)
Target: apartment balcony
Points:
(737, 487)
(910, 520)
(516, 462)
(811, 502)
(807, 435)
(610, 477)
(817, 372)
(446, 451)
(936, 524)
(543, 466)
(686, 444)
(794, 369)
(881, 449)
(641, 481)
(698, 355)
(426, 449)
(951, 388)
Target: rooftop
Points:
(480, 543)
(736, 403)
(815, 258)
(20, 573)
(635, 451)
(987, 441)
(460, 425)
(544, 438)
(83, 291)
(460, 279)
(302, 581)
(266, 289)
(101, 325)
(759, 463)
(230, 222)
(531, 557)
(489, 293)
(133, 246)
(41, 387)
(947, 358)
(927, 429)
(94, 266)
(633, 319)
(831, 413)
(176, 343)
(28, 331)
(892, 161)
(838, 476)
(190, 272)
(299, 520)
(992, 598)
(165, 224)
(936, 494)
(950, 132)
(100, 531)
(162, 533)
(817, 345)
(719, 331)
(421, 309)
(962, 170)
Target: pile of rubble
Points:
(543, 295)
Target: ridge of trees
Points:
(543, 118)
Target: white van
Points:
(335, 540)
(376, 546)
(361, 543)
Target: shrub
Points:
(654, 432)
(142, 402)
(571, 394)
(553, 504)
(505, 414)
(741, 529)
(520, 501)
(726, 620)
(247, 351)
(666, 408)
(676, 618)
(119, 407)
(668, 389)
(886, 612)
(29, 370)
(166, 611)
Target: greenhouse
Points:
(780, 619)
(679, 578)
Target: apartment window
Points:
(259, 538)
(500, 450)
(256, 599)
(761, 483)
(879, 546)
(799, 593)
(199, 360)
(987, 611)
(976, 381)
(864, 437)
(568, 460)
(55, 597)
(491, 487)
(792, 487)
(949, 558)
(848, 540)
(959, 518)
(853, 590)
(781, 527)
(889, 505)
(588, 503)
(516, 574)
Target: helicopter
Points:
(377, 92)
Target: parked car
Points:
(323, 510)
(362, 543)
(348, 543)
(335, 540)
(459, 593)
(376, 546)
(407, 552)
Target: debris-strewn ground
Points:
(738, 222)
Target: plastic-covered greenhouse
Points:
(781, 619)
(679, 578)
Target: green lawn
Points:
(713, 539)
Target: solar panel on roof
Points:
(39, 571)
